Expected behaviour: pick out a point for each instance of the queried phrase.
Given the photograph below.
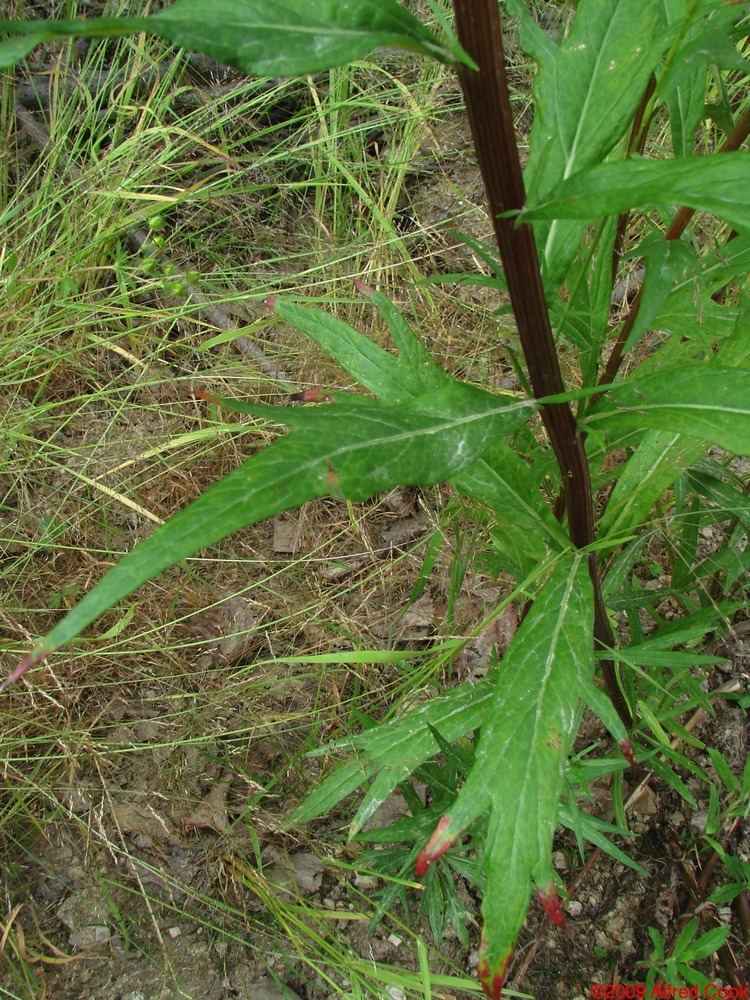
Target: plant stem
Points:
(636, 144)
(674, 232)
(491, 119)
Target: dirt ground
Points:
(157, 866)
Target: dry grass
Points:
(112, 752)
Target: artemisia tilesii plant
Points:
(560, 225)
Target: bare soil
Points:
(156, 866)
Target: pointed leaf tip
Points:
(550, 901)
(315, 394)
(492, 980)
(363, 288)
(626, 749)
(208, 397)
(270, 303)
(30, 660)
(436, 846)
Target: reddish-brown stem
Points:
(636, 144)
(491, 119)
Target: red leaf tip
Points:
(208, 397)
(552, 905)
(30, 660)
(492, 980)
(312, 395)
(435, 847)
(626, 749)
(362, 288)
(270, 303)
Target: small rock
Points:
(299, 873)
(647, 803)
(395, 940)
(286, 534)
(699, 820)
(267, 989)
(574, 907)
(366, 882)
(174, 932)
(602, 940)
(615, 925)
(89, 938)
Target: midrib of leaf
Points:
(606, 528)
(733, 411)
(541, 708)
(570, 158)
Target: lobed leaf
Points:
(500, 479)
(519, 765)
(397, 748)
(352, 449)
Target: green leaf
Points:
(666, 263)
(711, 47)
(692, 627)
(659, 460)
(503, 482)
(691, 313)
(701, 400)
(397, 748)
(593, 829)
(723, 771)
(582, 316)
(586, 93)
(706, 944)
(352, 448)
(500, 479)
(731, 500)
(268, 38)
(519, 766)
(535, 41)
(13, 50)
(704, 39)
(716, 184)
(735, 350)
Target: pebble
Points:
(560, 861)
